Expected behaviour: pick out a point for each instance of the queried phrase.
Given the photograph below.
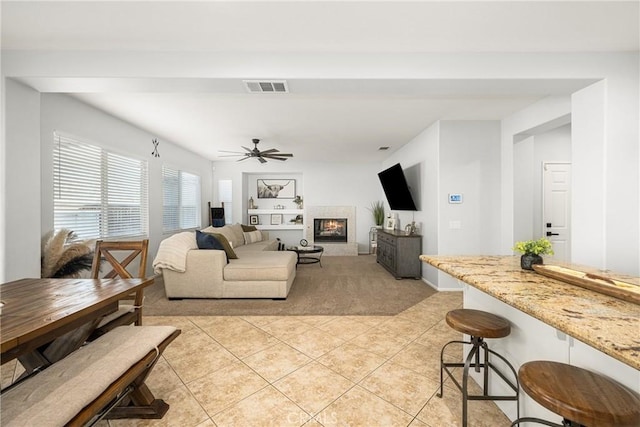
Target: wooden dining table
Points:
(37, 312)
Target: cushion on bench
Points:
(56, 395)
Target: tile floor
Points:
(310, 371)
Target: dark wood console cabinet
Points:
(399, 253)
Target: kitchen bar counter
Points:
(608, 324)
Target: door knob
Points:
(552, 234)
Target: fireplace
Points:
(330, 230)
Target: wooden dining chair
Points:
(119, 257)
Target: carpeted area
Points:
(344, 285)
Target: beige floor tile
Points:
(184, 411)
(359, 407)
(317, 320)
(260, 321)
(369, 320)
(163, 379)
(180, 322)
(398, 326)
(351, 361)
(286, 327)
(206, 423)
(314, 342)
(196, 364)
(417, 423)
(187, 342)
(218, 322)
(313, 387)
(380, 342)
(344, 327)
(266, 408)
(276, 361)
(420, 358)
(243, 339)
(401, 386)
(225, 387)
(447, 411)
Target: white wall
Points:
(456, 157)
(21, 172)
(324, 184)
(66, 114)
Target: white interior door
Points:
(556, 208)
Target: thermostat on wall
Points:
(455, 198)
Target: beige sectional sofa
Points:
(260, 270)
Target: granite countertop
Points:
(608, 324)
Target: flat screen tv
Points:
(396, 189)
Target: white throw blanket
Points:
(172, 253)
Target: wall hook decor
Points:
(155, 151)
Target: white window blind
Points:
(180, 200)
(225, 194)
(96, 193)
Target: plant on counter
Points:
(531, 251)
(63, 255)
(377, 209)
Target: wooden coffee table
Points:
(308, 255)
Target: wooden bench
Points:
(105, 378)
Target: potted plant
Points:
(532, 250)
(377, 209)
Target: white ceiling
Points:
(319, 115)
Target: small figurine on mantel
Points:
(251, 204)
(298, 201)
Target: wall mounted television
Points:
(394, 184)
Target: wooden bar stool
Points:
(581, 397)
(478, 325)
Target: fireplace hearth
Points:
(330, 230)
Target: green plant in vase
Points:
(532, 250)
(377, 209)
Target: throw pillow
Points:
(238, 238)
(247, 228)
(226, 245)
(252, 237)
(207, 241)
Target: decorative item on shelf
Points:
(253, 220)
(276, 219)
(410, 228)
(298, 201)
(303, 242)
(532, 250)
(251, 204)
(390, 223)
(377, 209)
(296, 220)
(64, 255)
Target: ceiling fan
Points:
(262, 156)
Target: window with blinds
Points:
(180, 200)
(225, 194)
(98, 194)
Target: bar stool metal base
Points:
(478, 344)
(565, 422)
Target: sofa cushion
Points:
(238, 235)
(265, 245)
(252, 237)
(247, 228)
(264, 266)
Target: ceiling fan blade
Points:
(262, 160)
(244, 158)
(279, 155)
(269, 151)
(227, 151)
(231, 155)
(248, 149)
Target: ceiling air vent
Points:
(266, 86)
(383, 148)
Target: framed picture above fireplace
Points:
(276, 188)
